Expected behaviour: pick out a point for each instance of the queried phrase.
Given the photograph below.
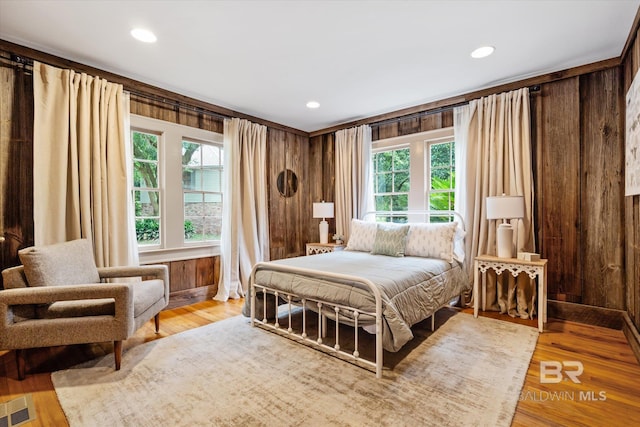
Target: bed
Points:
(388, 278)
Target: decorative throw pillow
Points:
(362, 236)
(432, 240)
(390, 240)
(68, 263)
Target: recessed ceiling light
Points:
(313, 104)
(143, 35)
(482, 52)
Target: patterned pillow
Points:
(363, 234)
(390, 240)
(432, 240)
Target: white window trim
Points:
(419, 169)
(172, 246)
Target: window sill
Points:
(154, 256)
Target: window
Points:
(391, 182)
(177, 190)
(414, 172)
(146, 189)
(202, 191)
(442, 180)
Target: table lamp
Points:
(323, 210)
(505, 207)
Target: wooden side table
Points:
(323, 248)
(516, 266)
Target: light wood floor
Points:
(610, 370)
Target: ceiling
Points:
(356, 58)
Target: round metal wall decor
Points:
(287, 183)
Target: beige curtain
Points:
(245, 235)
(496, 156)
(353, 196)
(80, 165)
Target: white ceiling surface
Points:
(357, 58)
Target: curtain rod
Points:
(532, 89)
(418, 114)
(27, 64)
(177, 104)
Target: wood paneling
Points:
(205, 271)
(557, 189)
(602, 189)
(289, 217)
(416, 123)
(174, 113)
(182, 274)
(276, 144)
(16, 163)
(321, 179)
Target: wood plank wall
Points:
(289, 217)
(321, 180)
(579, 172)
(16, 160)
(630, 67)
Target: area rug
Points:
(468, 372)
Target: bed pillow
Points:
(390, 240)
(432, 240)
(458, 245)
(68, 263)
(362, 236)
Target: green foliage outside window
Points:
(391, 182)
(146, 194)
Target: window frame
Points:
(419, 172)
(172, 246)
(219, 169)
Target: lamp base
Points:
(504, 241)
(324, 231)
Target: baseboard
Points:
(597, 316)
(633, 336)
(588, 314)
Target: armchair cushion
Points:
(77, 308)
(68, 263)
(146, 294)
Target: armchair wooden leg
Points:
(117, 353)
(20, 362)
(157, 322)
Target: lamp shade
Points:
(505, 207)
(323, 210)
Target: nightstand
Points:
(516, 266)
(323, 248)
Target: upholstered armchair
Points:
(59, 297)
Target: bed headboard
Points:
(416, 216)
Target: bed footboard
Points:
(322, 308)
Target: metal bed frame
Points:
(327, 308)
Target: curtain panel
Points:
(80, 165)
(245, 234)
(493, 150)
(353, 187)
